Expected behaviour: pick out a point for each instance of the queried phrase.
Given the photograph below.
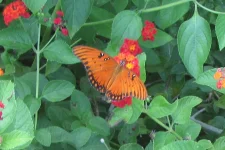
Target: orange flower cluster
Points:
(1, 72)
(2, 106)
(128, 52)
(59, 22)
(220, 76)
(15, 10)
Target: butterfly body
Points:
(109, 77)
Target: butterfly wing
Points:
(127, 84)
(100, 66)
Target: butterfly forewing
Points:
(100, 66)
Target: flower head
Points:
(149, 31)
(122, 103)
(64, 31)
(218, 74)
(14, 10)
(219, 84)
(57, 21)
(1, 72)
(60, 13)
(130, 46)
(1, 105)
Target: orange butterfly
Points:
(109, 77)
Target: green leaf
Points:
(220, 30)
(15, 38)
(131, 146)
(183, 145)
(126, 24)
(206, 144)
(51, 67)
(167, 17)
(35, 6)
(63, 74)
(32, 103)
(6, 90)
(99, 125)
(207, 79)
(15, 139)
(21, 89)
(183, 112)
(128, 134)
(194, 42)
(121, 114)
(76, 13)
(219, 144)
(163, 138)
(58, 134)
(81, 106)
(80, 136)
(161, 38)
(57, 90)
(60, 52)
(189, 130)
(160, 107)
(29, 79)
(119, 5)
(137, 107)
(43, 136)
(221, 102)
(142, 60)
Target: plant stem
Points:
(37, 73)
(165, 6)
(212, 11)
(74, 43)
(98, 22)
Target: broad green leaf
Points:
(57, 134)
(126, 24)
(137, 107)
(99, 125)
(131, 146)
(32, 103)
(80, 136)
(167, 17)
(206, 144)
(183, 112)
(163, 138)
(21, 88)
(23, 120)
(76, 124)
(43, 136)
(119, 5)
(219, 144)
(99, 14)
(63, 73)
(220, 30)
(207, 79)
(76, 13)
(30, 79)
(94, 143)
(51, 67)
(60, 52)
(142, 60)
(161, 38)
(189, 130)
(80, 106)
(220, 102)
(15, 139)
(57, 90)
(35, 6)
(160, 107)
(121, 114)
(6, 90)
(15, 38)
(183, 145)
(194, 42)
(128, 134)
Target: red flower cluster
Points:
(220, 76)
(128, 51)
(14, 10)
(1, 107)
(149, 31)
(59, 22)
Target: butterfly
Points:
(108, 76)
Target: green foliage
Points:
(47, 101)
